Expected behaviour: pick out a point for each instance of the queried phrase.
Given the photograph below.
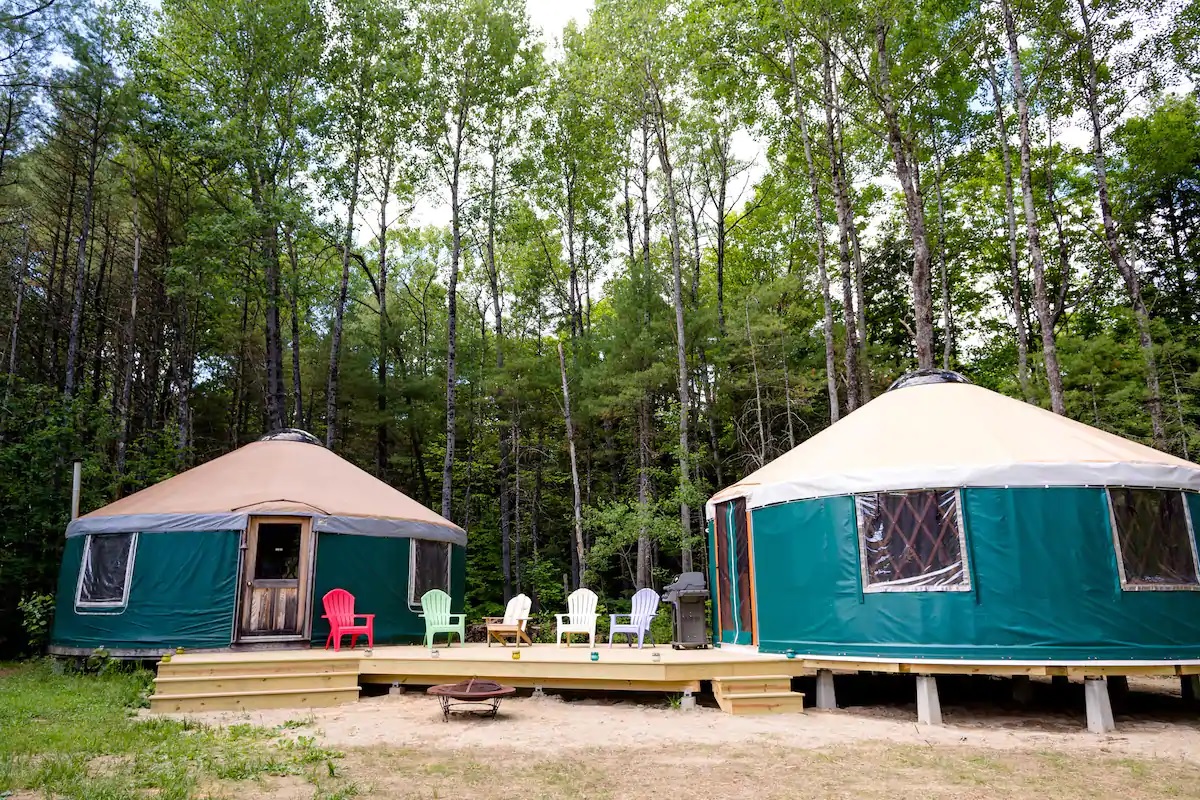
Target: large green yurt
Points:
(945, 521)
(238, 552)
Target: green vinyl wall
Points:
(375, 571)
(1044, 577)
(183, 591)
(181, 594)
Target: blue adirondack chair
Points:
(645, 606)
(435, 608)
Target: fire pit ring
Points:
(474, 696)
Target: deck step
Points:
(204, 667)
(239, 682)
(757, 694)
(762, 703)
(252, 700)
(752, 683)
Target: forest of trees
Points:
(671, 245)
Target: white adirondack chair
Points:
(645, 606)
(579, 619)
(513, 624)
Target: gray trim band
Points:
(237, 521)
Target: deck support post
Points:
(929, 707)
(396, 688)
(688, 701)
(1099, 708)
(1189, 687)
(1022, 689)
(538, 691)
(826, 698)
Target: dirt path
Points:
(553, 727)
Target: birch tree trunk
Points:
(819, 223)
(452, 326)
(1010, 216)
(842, 204)
(943, 268)
(664, 157)
(1032, 231)
(914, 208)
(579, 551)
(1112, 239)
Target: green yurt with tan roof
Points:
(239, 551)
(945, 521)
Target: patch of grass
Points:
(77, 736)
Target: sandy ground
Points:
(553, 727)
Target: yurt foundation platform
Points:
(742, 681)
(745, 682)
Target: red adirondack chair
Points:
(339, 610)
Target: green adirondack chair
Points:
(435, 608)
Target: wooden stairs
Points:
(757, 694)
(199, 684)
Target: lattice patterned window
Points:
(1152, 532)
(912, 541)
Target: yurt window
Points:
(912, 541)
(429, 568)
(1153, 536)
(105, 570)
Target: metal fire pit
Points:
(479, 697)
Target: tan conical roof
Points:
(946, 435)
(272, 477)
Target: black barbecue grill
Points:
(687, 595)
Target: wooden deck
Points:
(309, 678)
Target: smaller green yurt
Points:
(239, 551)
(944, 521)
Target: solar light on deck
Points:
(595, 656)
(434, 653)
(656, 657)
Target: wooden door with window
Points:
(734, 594)
(276, 565)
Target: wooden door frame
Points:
(722, 549)
(247, 552)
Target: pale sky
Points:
(553, 15)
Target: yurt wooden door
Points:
(276, 564)
(734, 597)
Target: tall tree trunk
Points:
(943, 268)
(20, 279)
(1010, 215)
(842, 204)
(787, 394)
(1112, 239)
(276, 404)
(580, 556)
(506, 528)
(1032, 230)
(339, 312)
(864, 367)
(664, 158)
(906, 169)
(381, 298)
(81, 259)
(128, 345)
(814, 184)
(643, 544)
(762, 431)
(452, 330)
(294, 309)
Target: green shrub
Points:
(37, 615)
